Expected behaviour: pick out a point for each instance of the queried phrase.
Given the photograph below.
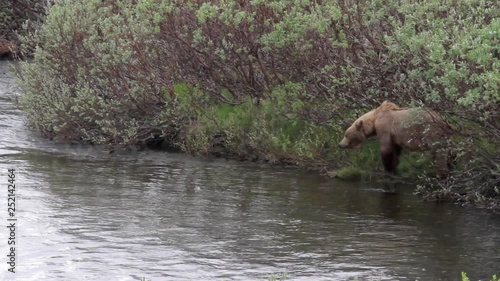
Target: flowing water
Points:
(85, 214)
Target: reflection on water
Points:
(88, 215)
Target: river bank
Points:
(214, 78)
(90, 214)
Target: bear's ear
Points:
(359, 124)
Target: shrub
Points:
(266, 130)
(273, 80)
(91, 78)
(19, 17)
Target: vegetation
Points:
(277, 277)
(465, 278)
(271, 81)
(19, 17)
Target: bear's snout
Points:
(344, 143)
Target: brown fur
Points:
(414, 129)
(7, 48)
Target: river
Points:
(85, 214)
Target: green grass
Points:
(351, 174)
(465, 278)
(277, 277)
(365, 161)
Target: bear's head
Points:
(360, 130)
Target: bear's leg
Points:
(387, 160)
(390, 157)
(396, 154)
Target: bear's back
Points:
(413, 128)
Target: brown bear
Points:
(414, 129)
(7, 48)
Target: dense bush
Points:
(272, 80)
(20, 16)
(92, 80)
